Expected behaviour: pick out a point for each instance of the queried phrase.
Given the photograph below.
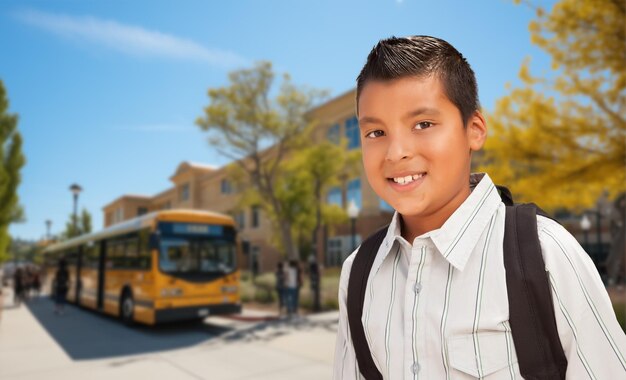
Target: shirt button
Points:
(417, 287)
(415, 368)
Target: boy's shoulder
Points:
(560, 249)
(549, 229)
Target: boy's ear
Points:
(476, 131)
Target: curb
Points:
(249, 318)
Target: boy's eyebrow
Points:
(369, 120)
(422, 111)
(410, 114)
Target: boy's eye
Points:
(374, 134)
(423, 125)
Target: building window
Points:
(255, 254)
(256, 210)
(334, 197)
(333, 134)
(142, 211)
(384, 205)
(352, 133)
(240, 219)
(339, 248)
(354, 192)
(119, 215)
(167, 205)
(227, 187)
(184, 192)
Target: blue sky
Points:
(108, 91)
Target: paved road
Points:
(35, 343)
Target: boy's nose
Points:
(400, 148)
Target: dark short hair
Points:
(422, 56)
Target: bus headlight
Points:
(230, 289)
(170, 292)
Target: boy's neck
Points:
(414, 226)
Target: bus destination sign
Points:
(194, 229)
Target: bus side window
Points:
(131, 253)
(144, 249)
(115, 254)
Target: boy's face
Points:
(416, 151)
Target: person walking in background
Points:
(299, 283)
(291, 284)
(61, 286)
(280, 286)
(18, 286)
(36, 281)
(27, 281)
(294, 283)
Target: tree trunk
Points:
(318, 218)
(290, 249)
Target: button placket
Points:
(420, 250)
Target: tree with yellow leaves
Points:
(560, 140)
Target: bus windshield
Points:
(179, 255)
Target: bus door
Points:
(101, 276)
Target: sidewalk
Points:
(35, 343)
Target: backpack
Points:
(531, 312)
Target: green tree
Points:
(76, 226)
(259, 133)
(560, 139)
(320, 167)
(12, 162)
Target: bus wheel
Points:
(127, 308)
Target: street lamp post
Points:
(75, 189)
(353, 212)
(48, 225)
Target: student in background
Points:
(61, 286)
(280, 286)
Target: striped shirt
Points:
(438, 308)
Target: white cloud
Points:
(129, 39)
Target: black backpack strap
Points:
(531, 311)
(505, 195)
(359, 273)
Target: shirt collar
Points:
(458, 236)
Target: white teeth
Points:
(407, 179)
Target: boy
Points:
(436, 304)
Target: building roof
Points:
(127, 196)
(186, 166)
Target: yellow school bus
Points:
(160, 267)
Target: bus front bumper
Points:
(194, 312)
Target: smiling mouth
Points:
(407, 179)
